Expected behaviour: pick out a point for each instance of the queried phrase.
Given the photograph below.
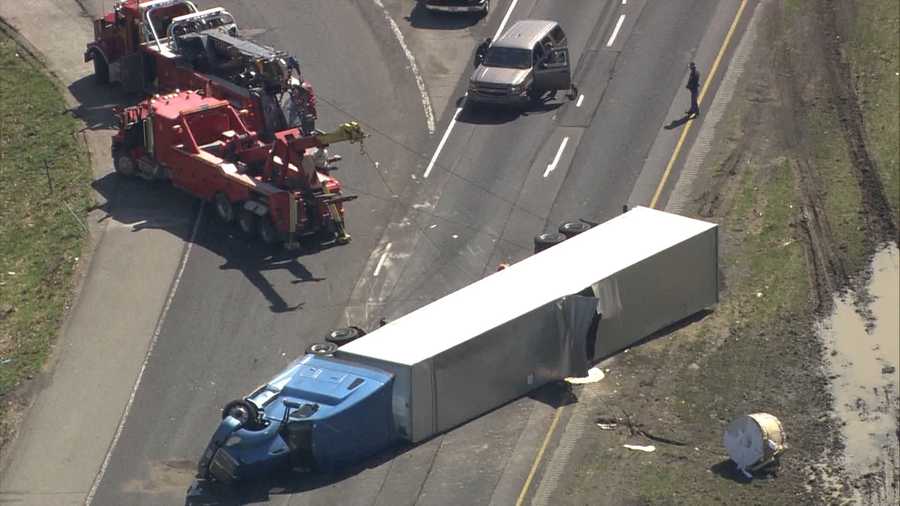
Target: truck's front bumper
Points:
(494, 99)
(225, 467)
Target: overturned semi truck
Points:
(540, 320)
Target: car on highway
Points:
(462, 6)
(521, 66)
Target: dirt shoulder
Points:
(797, 183)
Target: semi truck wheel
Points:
(344, 335)
(247, 222)
(267, 231)
(322, 349)
(547, 239)
(224, 209)
(573, 228)
(101, 69)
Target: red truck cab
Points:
(120, 36)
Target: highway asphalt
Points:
(241, 312)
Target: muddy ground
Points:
(794, 184)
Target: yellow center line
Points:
(538, 457)
(687, 128)
(540, 454)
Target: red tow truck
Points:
(279, 190)
(161, 46)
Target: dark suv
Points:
(481, 6)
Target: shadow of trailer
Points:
(540, 320)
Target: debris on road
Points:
(594, 375)
(648, 448)
(607, 422)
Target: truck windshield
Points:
(508, 57)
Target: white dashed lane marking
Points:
(555, 162)
(612, 38)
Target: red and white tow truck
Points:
(279, 190)
(161, 46)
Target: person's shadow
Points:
(680, 121)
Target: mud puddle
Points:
(863, 362)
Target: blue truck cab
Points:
(319, 414)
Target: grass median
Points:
(873, 50)
(44, 196)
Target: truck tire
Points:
(123, 163)
(267, 231)
(101, 69)
(247, 223)
(547, 239)
(242, 410)
(572, 228)
(224, 209)
(344, 335)
(322, 349)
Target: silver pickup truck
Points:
(528, 61)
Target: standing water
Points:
(864, 363)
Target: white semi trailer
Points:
(545, 318)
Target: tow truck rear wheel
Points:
(224, 209)
(267, 231)
(123, 163)
(247, 222)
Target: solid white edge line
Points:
(559, 152)
(420, 83)
(580, 100)
(137, 382)
(437, 151)
(505, 19)
(612, 38)
(387, 250)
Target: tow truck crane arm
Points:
(286, 157)
(289, 147)
(346, 132)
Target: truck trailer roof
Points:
(562, 270)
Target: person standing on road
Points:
(481, 51)
(693, 85)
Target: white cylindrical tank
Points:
(754, 440)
